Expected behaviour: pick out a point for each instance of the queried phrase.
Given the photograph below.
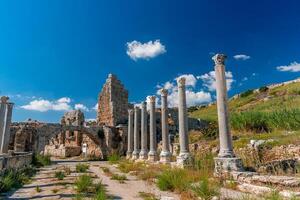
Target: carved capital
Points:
(152, 99)
(164, 92)
(136, 108)
(181, 82)
(219, 59)
(4, 99)
(130, 111)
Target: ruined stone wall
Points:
(112, 103)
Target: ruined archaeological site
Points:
(160, 100)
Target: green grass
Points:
(114, 158)
(11, 179)
(147, 196)
(39, 160)
(82, 168)
(83, 183)
(118, 177)
(173, 179)
(205, 189)
(60, 175)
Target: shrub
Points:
(114, 158)
(81, 168)
(247, 93)
(60, 175)
(83, 183)
(39, 160)
(100, 191)
(173, 179)
(204, 189)
(263, 89)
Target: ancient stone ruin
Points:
(112, 103)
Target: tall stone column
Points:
(5, 121)
(184, 157)
(136, 132)
(130, 134)
(152, 155)
(144, 135)
(165, 155)
(226, 160)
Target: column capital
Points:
(136, 108)
(143, 105)
(4, 99)
(219, 59)
(152, 99)
(164, 92)
(130, 111)
(181, 82)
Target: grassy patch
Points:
(11, 179)
(205, 189)
(128, 166)
(60, 175)
(173, 180)
(114, 158)
(147, 196)
(39, 160)
(118, 177)
(38, 189)
(83, 183)
(82, 168)
(106, 171)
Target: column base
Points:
(152, 156)
(184, 160)
(135, 155)
(128, 155)
(223, 166)
(143, 155)
(165, 157)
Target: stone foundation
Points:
(15, 161)
(223, 166)
(184, 160)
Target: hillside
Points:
(280, 101)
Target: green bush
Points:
(81, 168)
(100, 191)
(83, 183)
(60, 175)
(39, 160)
(114, 158)
(247, 93)
(173, 179)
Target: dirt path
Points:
(51, 188)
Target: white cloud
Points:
(245, 79)
(241, 57)
(192, 97)
(81, 107)
(95, 107)
(137, 50)
(42, 105)
(190, 79)
(293, 67)
(209, 80)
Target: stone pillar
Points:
(144, 135)
(130, 134)
(184, 157)
(152, 155)
(136, 132)
(5, 121)
(226, 160)
(165, 155)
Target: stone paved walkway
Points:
(51, 188)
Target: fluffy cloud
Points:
(192, 97)
(209, 80)
(190, 79)
(81, 107)
(241, 57)
(95, 107)
(137, 50)
(42, 105)
(293, 67)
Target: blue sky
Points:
(55, 54)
